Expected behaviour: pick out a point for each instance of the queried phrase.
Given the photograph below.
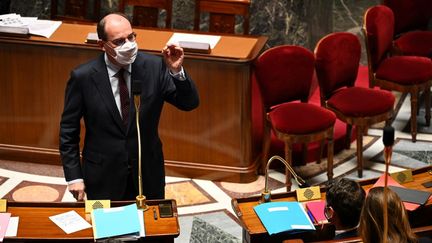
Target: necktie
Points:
(124, 97)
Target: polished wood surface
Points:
(35, 225)
(213, 141)
(254, 231)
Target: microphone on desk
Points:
(388, 140)
(136, 92)
(266, 195)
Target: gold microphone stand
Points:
(140, 199)
(266, 195)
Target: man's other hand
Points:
(77, 190)
(173, 56)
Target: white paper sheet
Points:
(12, 228)
(210, 39)
(70, 222)
(44, 28)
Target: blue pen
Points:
(311, 216)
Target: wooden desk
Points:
(254, 231)
(34, 224)
(212, 142)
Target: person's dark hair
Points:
(346, 197)
(101, 26)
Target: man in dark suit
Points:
(100, 92)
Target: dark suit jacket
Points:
(108, 145)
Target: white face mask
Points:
(126, 53)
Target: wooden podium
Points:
(254, 231)
(34, 224)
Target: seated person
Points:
(344, 202)
(371, 227)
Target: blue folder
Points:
(280, 217)
(118, 221)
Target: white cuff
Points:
(180, 75)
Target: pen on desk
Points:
(155, 214)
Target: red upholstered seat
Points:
(411, 19)
(337, 60)
(302, 124)
(361, 102)
(284, 75)
(408, 74)
(415, 43)
(405, 70)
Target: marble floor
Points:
(204, 206)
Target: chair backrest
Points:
(222, 14)
(410, 14)
(337, 58)
(146, 12)
(284, 74)
(379, 28)
(75, 11)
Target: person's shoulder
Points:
(424, 240)
(89, 65)
(146, 57)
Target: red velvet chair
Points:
(284, 76)
(407, 74)
(337, 58)
(411, 21)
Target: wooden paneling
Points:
(212, 142)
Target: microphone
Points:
(136, 92)
(265, 195)
(388, 140)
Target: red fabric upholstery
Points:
(415, 43)
(362, 102)
(336, 69)
(298, 118)
(410, 14)
(284, 74)
(379, 23)
(405, 69)
(277, 146)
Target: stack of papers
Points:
(126, 222)
(280, 217)
(15, 24)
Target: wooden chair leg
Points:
(414, 99)
(288, 158)
(321, 151)
(360, 151)
(304, 153)
(330, 152)
(266, 147)
(348, 136)
(427, 100)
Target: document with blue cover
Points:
(280, 217)
(118, 221)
